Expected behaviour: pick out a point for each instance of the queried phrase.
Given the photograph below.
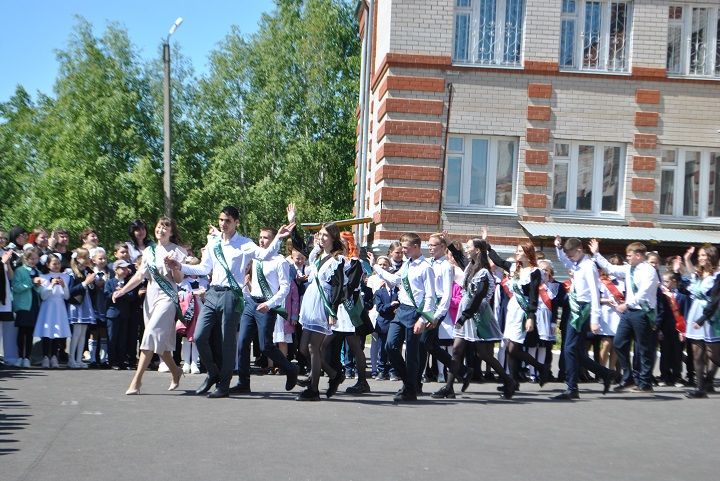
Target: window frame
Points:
(678, 186)
(579, 19)
(712, 55)
(492, 158)
(571, 161)
(472, 41)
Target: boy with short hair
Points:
(118, 315)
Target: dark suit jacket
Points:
(382, 300)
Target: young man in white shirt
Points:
(416, 282)
(270, 286)
(637, 318)
(584, 309)
(227, 257)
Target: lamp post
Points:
(167, 188)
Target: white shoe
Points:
(19, 362)
(45, 364)
(163, 367)
(194, 369)
(26, 362)
(186, 368)
(54, 364)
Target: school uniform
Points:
(383, 298)
(7, 318)
(672, 306)
(416, 295)
(444, 277)
(638, 321)
(118, 315)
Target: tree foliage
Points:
(272, 121)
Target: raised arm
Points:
(617, 271)
(498, 261)
(561, 254)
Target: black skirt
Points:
(28, 318)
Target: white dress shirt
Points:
(277, 273)
(444, 277)
(585, 283)
(644, 276)
(422, 282)
(238, 253)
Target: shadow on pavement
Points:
(13, 413)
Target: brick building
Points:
(592, 118)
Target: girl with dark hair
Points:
(139, 240)
(704, 336)
(476, 322)
(318, 313)
(161, 301)
(523, 286)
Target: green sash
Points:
(578, 314)
(428, 316)
(163, 283)
(328, 308)
(237, 290)
(484, 319)
(266, 290)
(649, 312)
(354, 310)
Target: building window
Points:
(693, 46)
(489, 32)
(481, 172)
(595, 35)
(689, 182)
(587, 177)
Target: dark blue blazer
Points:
(382, 300)
(124, 305)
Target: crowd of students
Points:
(456, 316)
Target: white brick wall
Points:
(422, 26)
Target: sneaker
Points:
(82, 365)
(194, 369)
(186, 368)
(163, 367)
(45, 364)
(54, 364)
(26, 363)
(393, 377)
(19, 362)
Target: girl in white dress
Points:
(612, 293)
(699, 333)
(476, 322)
(524, 284)
(52, 324)
(318, 312)
(161, 305)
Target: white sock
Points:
(541, 352)
(195, 356)
(80, 346)
(103, 350)
(92, 347)
(185, 350)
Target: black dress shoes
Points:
(508, 389)
(696, 394)
(360, 387)
(405, 396)
(240, 389)
(624, 386)
(567, 395)
(607, 381)
(207, 384)
(218, 393)
(334, 383)
(443, 393)
(308, 395)
(466, 380)
(292, 378)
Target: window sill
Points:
(487, 65)
(692, 77)
(595, 72)
(671, 222)
(479, 211)
(604, 218)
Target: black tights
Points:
(483, 351)
(702, 353)
(25, 341)
(516, 354)
(332, 345)
(311, 345)
(50, 347)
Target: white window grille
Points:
(481, 172)
(588, 177)
(595, 35)
(693, 45)
(689, 183)
(489, 32)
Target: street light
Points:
(166, 119)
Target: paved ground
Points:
(78, 425)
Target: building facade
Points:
(535, 116)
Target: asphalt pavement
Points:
(79, 425)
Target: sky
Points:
(32, 30)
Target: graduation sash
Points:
(680, 323)
(428, 316)
(163, 283)
(354, 310)
(267, 290)
(328, 308)
(234, 286)
(544, 296)
(579, 313)
(483, 320)
(613, 289)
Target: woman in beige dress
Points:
(161, 306)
